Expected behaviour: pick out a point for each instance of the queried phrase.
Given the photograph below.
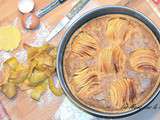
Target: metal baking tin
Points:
(105, 10)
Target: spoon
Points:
(32, 20)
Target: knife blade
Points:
(76, 9)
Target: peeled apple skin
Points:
(55, 91)
(9, 89)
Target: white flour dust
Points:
(3, 57)
(41, 35)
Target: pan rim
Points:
(61, 49)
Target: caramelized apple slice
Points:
(144, 60)
(119, 59)
(105, 64)
(81, 77)
(116, 30)
(158, 64)
(89, 90)
(123, 92)
(84, 45)
(84, 82)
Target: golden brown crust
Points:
(111, 78)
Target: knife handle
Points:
(77, 8)
(61, 1)
(49, 7)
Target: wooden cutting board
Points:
(23, 107)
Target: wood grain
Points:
(23, 108)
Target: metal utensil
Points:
(76, 9)
(48, 8)
(32, 20)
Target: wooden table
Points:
(23, 108)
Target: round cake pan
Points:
(106, 10)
